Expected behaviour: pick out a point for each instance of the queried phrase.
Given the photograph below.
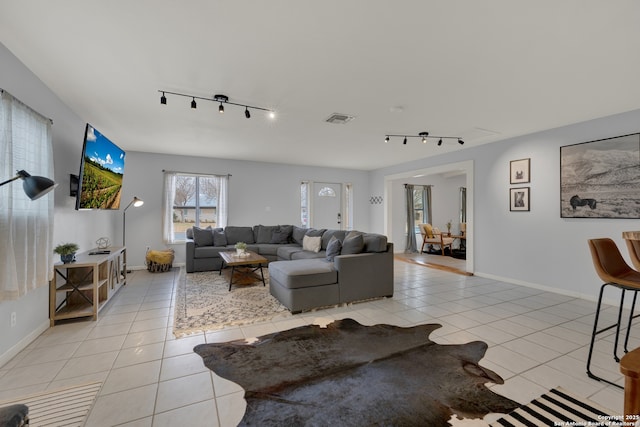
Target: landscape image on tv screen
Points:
(101, 172)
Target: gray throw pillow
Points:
(279, 237)
(219, 238)
(353, 244)
(203, 236)
(298, 234)
(333, 248)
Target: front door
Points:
(327, 205)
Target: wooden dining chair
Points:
(614, 271)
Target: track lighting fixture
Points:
(221, 99)
(424, 136)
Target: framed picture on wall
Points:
(519, 199)
(519, 171)
(599, 179)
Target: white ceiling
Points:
(450, 67)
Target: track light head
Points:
(193, 103)
(386, 140)
(460, 141)
(163, 99)
(405, 141)
(221, 109)
(440, 142)
(247, 114)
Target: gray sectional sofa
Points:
(308, 268)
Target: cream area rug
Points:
(66, 407)
(204, 303)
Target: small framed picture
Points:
(519, 171)
(519, 199)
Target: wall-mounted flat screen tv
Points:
(101, 172)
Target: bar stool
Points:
(614, 271)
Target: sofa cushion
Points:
(237, 234)
(333, 248)
(303, 273)
(297, 234)
(286, 252)
(308, 255)
(203, 236)
(271, 248)
(353, 243)
(327, 235)
(311, 243)
(208, 251)
(374, 242)
(219, 238)
(280, 237)
(263, 233)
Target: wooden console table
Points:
(82, 288)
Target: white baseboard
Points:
(23, 343)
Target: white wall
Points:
(32, 310)
(259, 193)
(538, 247)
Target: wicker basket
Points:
(160, 261)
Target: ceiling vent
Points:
(339, 119)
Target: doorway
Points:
(395, 214)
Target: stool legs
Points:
(616, 325)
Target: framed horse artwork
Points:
(600, 179)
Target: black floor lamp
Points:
(136, 204)
(33, 186)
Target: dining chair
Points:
(614, 271)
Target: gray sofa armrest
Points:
(190, 255)
(365, 275)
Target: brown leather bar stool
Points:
(614, 271)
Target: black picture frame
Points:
(520, 171)
(519, 199)
(599, 179)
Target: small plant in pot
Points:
(67, 252)
(240, 248)
(449, 227)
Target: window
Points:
(26, 226)
(193, 200)
(418, 208)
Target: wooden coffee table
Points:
(252, 262)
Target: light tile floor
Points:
(537, 340)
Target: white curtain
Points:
(222, 184)
(26, 226)
(167, 208)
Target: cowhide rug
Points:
(348, 374)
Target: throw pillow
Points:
(312, 244)
(429, 230)
(333, 248)
(203, 236)
(353, 243)
(279, 237)
(219, 238)
(298, 234)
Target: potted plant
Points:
(449, 227)
(240, 248)
(67, 252)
